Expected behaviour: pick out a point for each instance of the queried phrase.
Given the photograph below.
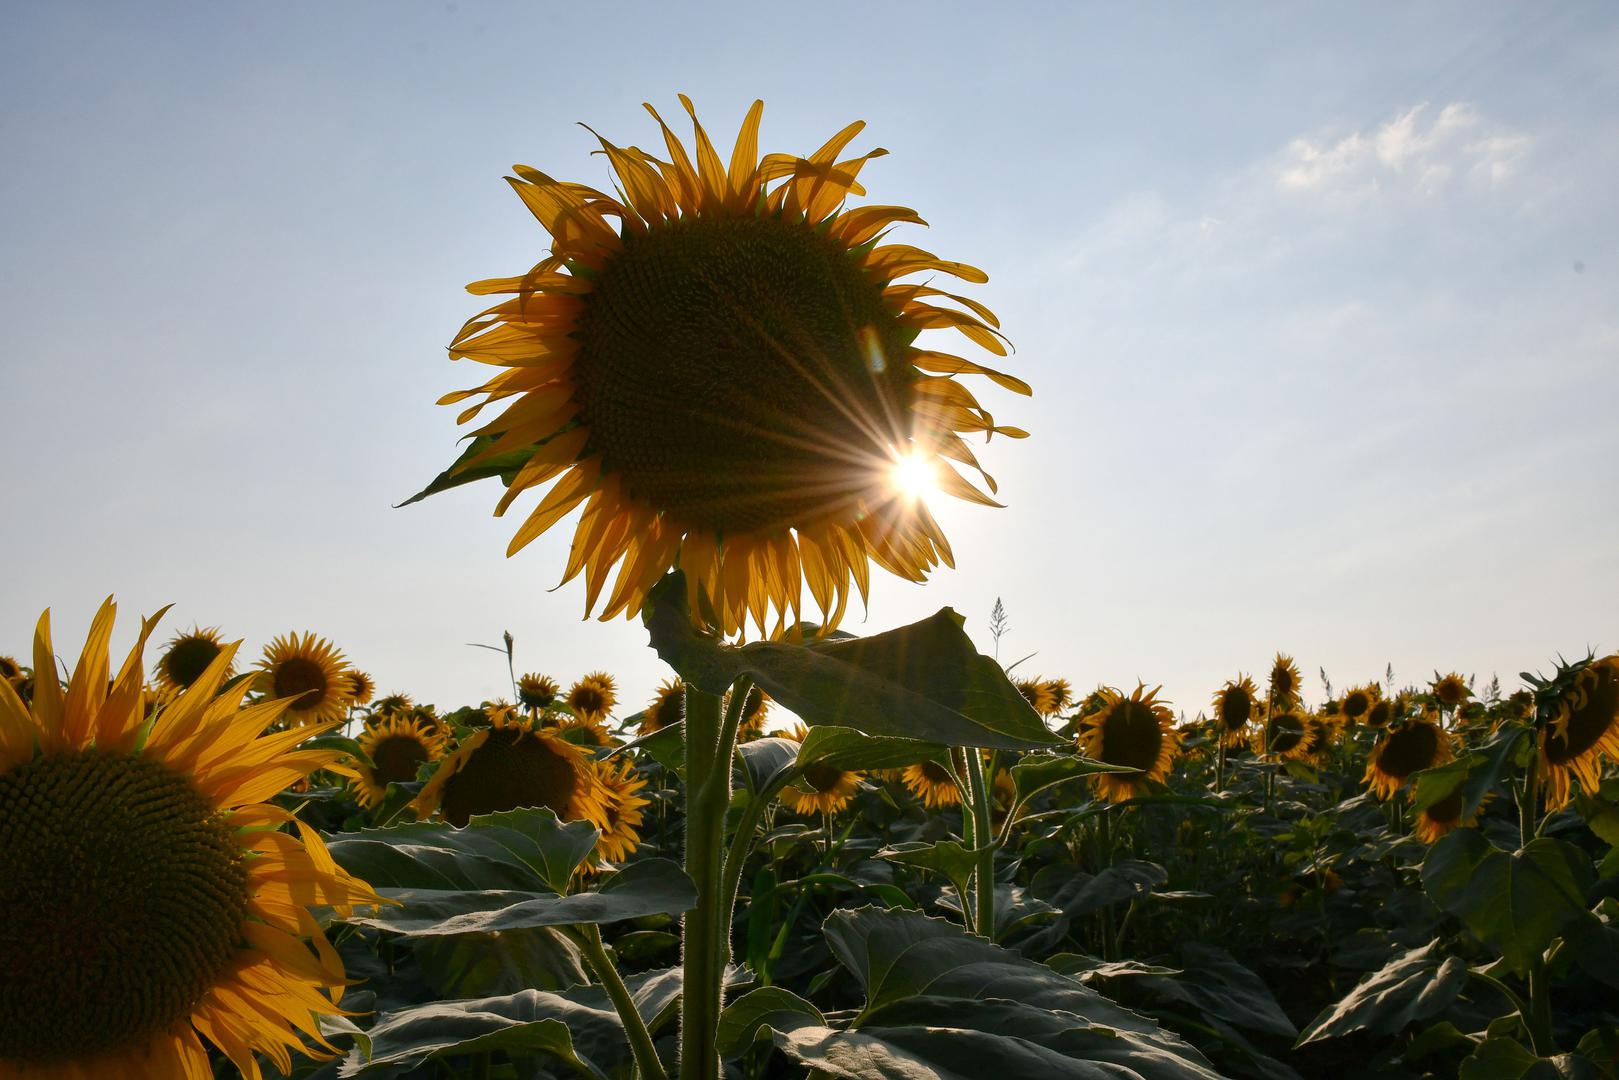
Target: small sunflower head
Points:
(1285, 684)
(1379, 713)
(1579, 711)
(1446, 815)
(362, 687)
(1137, 731)
(10, 670)
(821, 788)
(514, 763)
(934, 783)
(1038, 693)
(397, 746)
(1450, 690)
(1358, 701)
(1062, 694)
(755, 707)
(593, 697)
(536, 691)
(1283, 737)
(1236, 704)
(311, 672)
(187, 656)
(621, 808)
(667, 709)
(1409, 748)
(391, 705)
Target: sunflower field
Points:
(807, 853)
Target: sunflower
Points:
(150, 903)
(1284, 682)
(1410, 748)
(10, 670)
(514, 763)
(1062, 694)
(311, 672)
(1446, 814)
(667, 708)
(362, 687)
(1235, 705)
(933, 783)
(751, 724)
(1450, 690)
(397, 747)
(623, 804)
(537, 691)
(1357, 704)
(820, 788)
(1379, 713)
(188, 655)
(593, 697)
(585, 732)
(720, 364)
(392, 705)
(1137, 731)
(1038, 693)
(1319, 732)
(1284, 736)
(1583, 726)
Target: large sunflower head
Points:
(933, 783)
(1236, 704)
(667, 709)
(593, 697)
(1285, 684)
(1582, 726)
(187, 655)
(1409, 748)
(151, 901)
(537, 691)
(311, 672)
(821, 788)
(1450, 690)
(621, 803)
(721, 364)
(398, 746)
(1137, 731)
(514, 763)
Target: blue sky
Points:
(1320, 304)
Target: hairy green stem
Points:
(708, 782)
(1539, 1020)
(736, 857)
(1528, 802)
(589, 937)
(984, 845)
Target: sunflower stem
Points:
(984, 842)
(1539, 1020)
(708, 783)
(589, 937)
(1219, 764)
(1528, 801)
(736, 857)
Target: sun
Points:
(915, 477)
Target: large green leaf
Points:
(948, 858)
(846, 748)
(484, 965)
(768, 1007)
(1076, 893)
(924, 681)
(1515, 901)
(515, 849)
(645, 887)
(767, 762)
(521, 1025)
(897, 954)
(1416, 985)
(1214, 984)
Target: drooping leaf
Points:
(644, 887)
(1516, 901)
(948, 858)
(1038, 772)
(924, 681)
(522, 1025)
(487, 965)
(516, 849)
(1214, 984)
(768, 1007)
(1076, 893)
(1416, 985)
(767, 762)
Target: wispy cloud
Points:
(1421, 152)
